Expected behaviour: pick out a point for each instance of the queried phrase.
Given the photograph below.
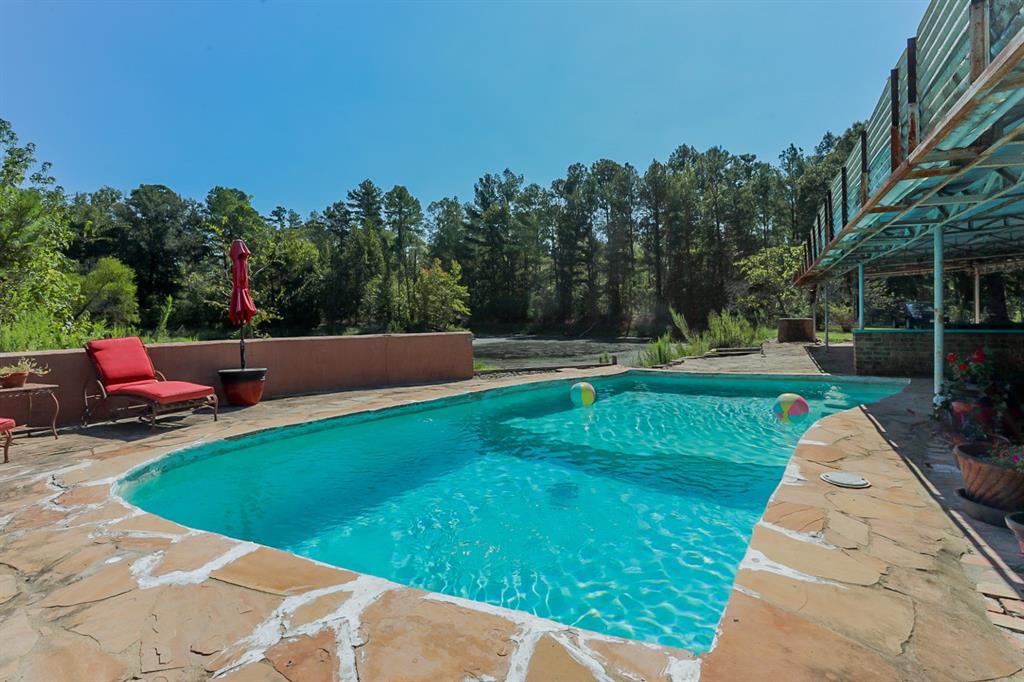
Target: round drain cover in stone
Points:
(845, 480)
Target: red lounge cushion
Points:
(121, 361)
(162, 392)
(6, 424)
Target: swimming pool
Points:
(629, 517)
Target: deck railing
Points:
(955, 41)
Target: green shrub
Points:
(661, 351)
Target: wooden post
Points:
(864, 166)
(895, 141)
(978, 29)
(846, 199)
(913, 113)
(817, 235)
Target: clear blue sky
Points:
(297, 102)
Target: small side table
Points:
(30, 390)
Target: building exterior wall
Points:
(908, 352)
(297, 365)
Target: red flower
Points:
(951, 357)
(963, 367)
(979, 355)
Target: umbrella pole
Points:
(242, 346)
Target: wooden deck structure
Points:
(937, 180)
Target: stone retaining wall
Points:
(908, 352)
(296, 365)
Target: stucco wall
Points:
(296, 365)
(908, 352)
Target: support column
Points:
(826, 317)
(860, 296)
(938, 326)
(977, 295)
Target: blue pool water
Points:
(629, 517)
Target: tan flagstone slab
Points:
(147, 523)
(629, 661)
(814, 559)
(106, 583)
(860, 505)
(765, 642)
(550, 662)
(416, 639)
(70, 658)
(107, 512)
(192, 622)
(17, 636)
(951, 647)
(892, 554)
(78, 562)
(823, 454)
(192, 552)
(116, 623)
(877, 618)
(33, 552)
(262, 671)
(307, 658)
(8, 588)
(846, 527)
(320, 607)
(81, 495)
(276, 572)
(34, 517)
(802, 518)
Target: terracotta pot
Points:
(988, 483)
(243, 387)
(1015, 522)
(15, 380)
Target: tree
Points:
(440, 300)
(107, 292)
(35, 274)
(769, 275)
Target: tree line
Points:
(607, 248)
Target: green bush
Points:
(661, 351)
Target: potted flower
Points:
(15, 376)
(993, 474)
(972, 399)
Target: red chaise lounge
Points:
(6, 426)
(126, 371)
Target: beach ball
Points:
(582, 394)
(790, 407)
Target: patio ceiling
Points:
(966, 176)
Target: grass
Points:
(480, 365)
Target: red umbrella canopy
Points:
(242, 308)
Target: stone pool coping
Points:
(835, 585)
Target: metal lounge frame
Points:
(144, 408)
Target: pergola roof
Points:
(967, 173)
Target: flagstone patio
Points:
(880, 583)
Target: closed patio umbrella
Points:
(241, 309)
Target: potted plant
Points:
(993, 474)
(972, 399)
(15, 376)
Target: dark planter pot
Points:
(987, 483)
(1015, 522)
(243, 387)
(15, 380)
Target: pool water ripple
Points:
(628, 518)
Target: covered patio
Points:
(936, 185)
